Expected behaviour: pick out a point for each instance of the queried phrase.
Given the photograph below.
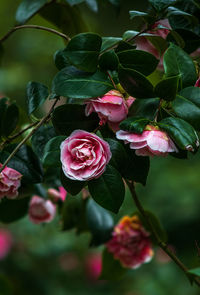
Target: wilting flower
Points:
(84, 155)
(197, 84)
(130, 243)
(57, 195)
(5, 243)
(144, 44)
(41, 210)
(10, 181)
(111, 107)
(151, 142)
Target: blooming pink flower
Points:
(130, 243)
(57, 195)
(84, 155)
(10, 181)
(151, 142)
(144, 44)
(5, 243)
(41, 210)
(111, 107)
(197, 84)
(93, 265)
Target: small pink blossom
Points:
(111, 107)
(151, 142)
(41, 210)
(10, 181)
(93, 265)
(197, 84)
(130, 243)
(84, 155)
(57, 195)
(5, 243)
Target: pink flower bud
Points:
(112, 107)
(10, 181)
(151, 142)
(197, 84)
(93, 265)
(130, 243)
(5, 243)
(84, 155)
(57, 195)
(41, 210)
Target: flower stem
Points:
(161, 244)
(111, 79)
(42, 121)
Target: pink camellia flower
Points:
(10, 181)
(57, 195)
(130, 243)
(41, 210)
(151, 142)
(6, 242)
(84, 155)
(197, 84)
(111, 107)
(144, 44)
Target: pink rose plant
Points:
(57, 195)
(10, 181)
(84, 155)
(6, 242)
(152, 142)
(41, 210)
(130, 243)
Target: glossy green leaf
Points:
(51, 155)
(191, 40)
(138, 60)
(100, 223)
(181, 132)
(61, 61)
(118, 153)
(37, 93)
(173, 11)
(140, 14)
(69, 117)
(177, 62)
(195, 271)
(92, 4)
(167, 88)
(72, 83)
(187, 106)
(16, 208)
(74, 2)
(111, 268)
(134, 124)
(160, 5)
(174, 36)
(108, 190)
(27, 9)
(83, 50)
(146, 108)
(10, 119)
(108, 42)
(123, 45)
(135, 83)
(72, 186)
(108, 61)
(158, 42)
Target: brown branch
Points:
(159, 241)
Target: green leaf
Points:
(72, 186)
(195, 271)
(27, 9)
(100, 223)
(83, 50)
(3, 108)
(138, 60)
(146, 108)
(175, 36)
(40, 138)
(92, 4)
(10, 119)
(177, 62)
(181, 132)
(108, 61)
(111, 268)
(37, 93)
(108, 190)
(173, 11)
(187, 106)
(69, 117)
(61, 61)
(123, 45)
(134, 124)
(25, 161)
(135, 83)
(51, 155)
(108, 42)
(143, 15)
(118, 153)
(13, 210)
(74, 2)
(160, 5)
(74, 214)
(72, 83)
(167, 88)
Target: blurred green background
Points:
(44, 260)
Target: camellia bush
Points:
(79, 159)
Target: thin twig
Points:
(43, 120)
(7, 35)
(111, 79)
(161, 244)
